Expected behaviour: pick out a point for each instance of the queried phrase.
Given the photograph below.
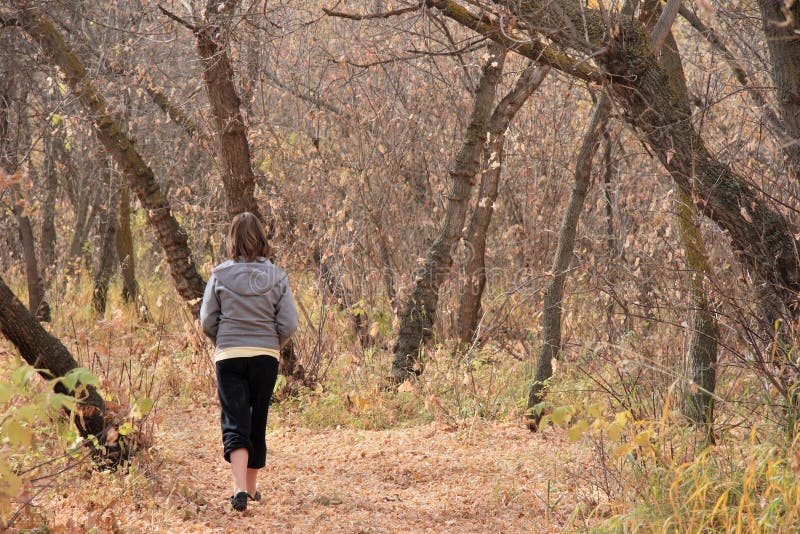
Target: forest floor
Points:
(474, 476)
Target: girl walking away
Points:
(249, 314)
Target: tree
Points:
(552, 302)
(233, 148)
(10, 94)
(51, 358)
(140, 176)
(419, 308)
(475, 240)
(638, 83)
(781, 21)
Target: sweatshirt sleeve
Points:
(210, 310)
(286, 319)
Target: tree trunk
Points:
(234, 149)
(340, 296)
(419, 309)
(554, 292)
(43, 351)
(171, 235)
(85, 208)
(36, 301)
(475, 242)
(106, 251)
(704, 329)
(759, 235)
(124, 246)
(9, 161)
(47, 241)
(782, 31)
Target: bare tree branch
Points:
(664, 23)
(179, 20)
(383, 15)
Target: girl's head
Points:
(247, 238)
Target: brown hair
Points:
(247, 238)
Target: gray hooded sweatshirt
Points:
(248, 304)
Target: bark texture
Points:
(231, 132)
(141, 179)
(704, 330)
(47, 241)
(704, 327)
(106, 251)
(475, 241)
(782, 30)
(554, 292)
(419, 309)
(123, 240)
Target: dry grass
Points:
(445, 454)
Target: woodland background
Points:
(545, 255)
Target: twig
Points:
(382, 15)
(738, 70)
(8, 22)
(179, 20)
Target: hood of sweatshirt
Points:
(248, 278)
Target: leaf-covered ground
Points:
(475, 476)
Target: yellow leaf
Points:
(5, 393)
(28, 413)
(561, 415)
(595, 409)
(622, 450)
(125, 429)
(10, 485)
(577, 430)
(17, 434)
(142, 408)
(642, 439)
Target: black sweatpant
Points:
(244, 386)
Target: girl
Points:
(249, 314)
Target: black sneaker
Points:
(256, 497)
(239, 501)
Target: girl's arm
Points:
(286, 319)
(210, 310)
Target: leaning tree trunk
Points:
(171, 236)
(48, 355)
(554, 292)
(475, 241)
(106, 251)
(782, 30)
(417, 315)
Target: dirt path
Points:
(435, 478)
